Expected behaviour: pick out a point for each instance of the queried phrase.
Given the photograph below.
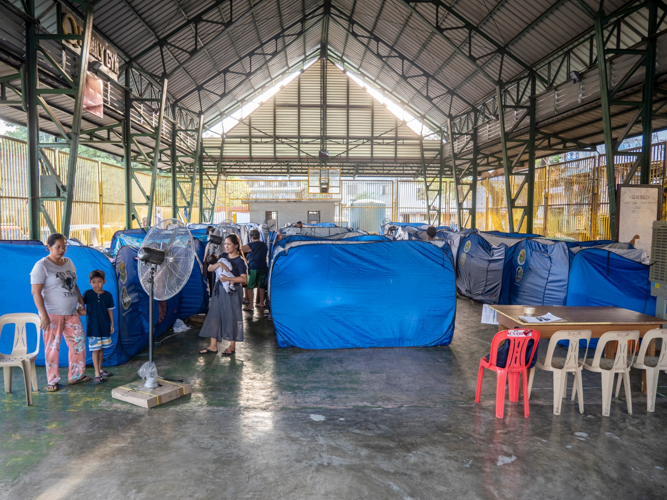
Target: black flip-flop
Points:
(105, 373)
(223, 353)
(207, 351)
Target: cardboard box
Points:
(136, 394)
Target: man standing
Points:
(258, 269)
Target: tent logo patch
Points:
(467, 246)
(522, 257)
(462, 260)
(519, 274)
(122, 271)
(125, 298)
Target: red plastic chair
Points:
(515, 366)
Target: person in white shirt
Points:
(59, 302)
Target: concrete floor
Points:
(373, 423)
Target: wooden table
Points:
(596, 319)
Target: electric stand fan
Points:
(166, 258)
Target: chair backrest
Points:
(624, 356)
(518, 343)
(20, 320)
(572, 357)
(657, 333)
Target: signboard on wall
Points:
(93, 95)
(637, 207)
(100, 50)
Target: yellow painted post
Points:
(100, 238)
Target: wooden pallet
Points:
(136, 394)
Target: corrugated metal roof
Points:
(456, 61)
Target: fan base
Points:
(136, 394)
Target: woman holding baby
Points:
(225, 316)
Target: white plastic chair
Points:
(609, 368)
(652, 365)
(560, 367)
(20, 357)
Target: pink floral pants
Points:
(70, 327)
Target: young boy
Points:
(99, 309)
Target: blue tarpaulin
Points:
(483, 265)
(538, 273)
(194, 296)
(342, 294)
(15, 293)
(599, 277)
(131, 237)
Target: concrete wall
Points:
(290, 212)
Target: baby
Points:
(212, 259)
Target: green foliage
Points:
(21, 133)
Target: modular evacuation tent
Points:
(611, 277)
(131, 237)
(363, 294)
(194, 295)
(538, 272)
(133, 307)
(483, 266)
(15, 294)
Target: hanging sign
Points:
(100, 50)
(93, 95)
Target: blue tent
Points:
(133, 307)
(131, 237)
(483, 266)
(21, 242)
(194, 296)
(16, 297)
(600, 277)
(538, 272)
(349, 287)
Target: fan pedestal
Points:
(168, 249)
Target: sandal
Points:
(260, 306)
(227, 352)
(105, 373)
(248, 309)
(208, 351)
(99, 380)
(83, 379)
(52, 388)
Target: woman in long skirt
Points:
(225, 316)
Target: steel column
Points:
(34, 203)
(473, 188)
(76, 117)
(606, 122)
(127, 146)
(174, 163)
(530, 198)
(195, 166)
(506, 161)
(648, 91)
(156, 152)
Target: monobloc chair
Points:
(652, 365)
(20, 357)
(560, 367)
(518, 361)
(608, 368)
